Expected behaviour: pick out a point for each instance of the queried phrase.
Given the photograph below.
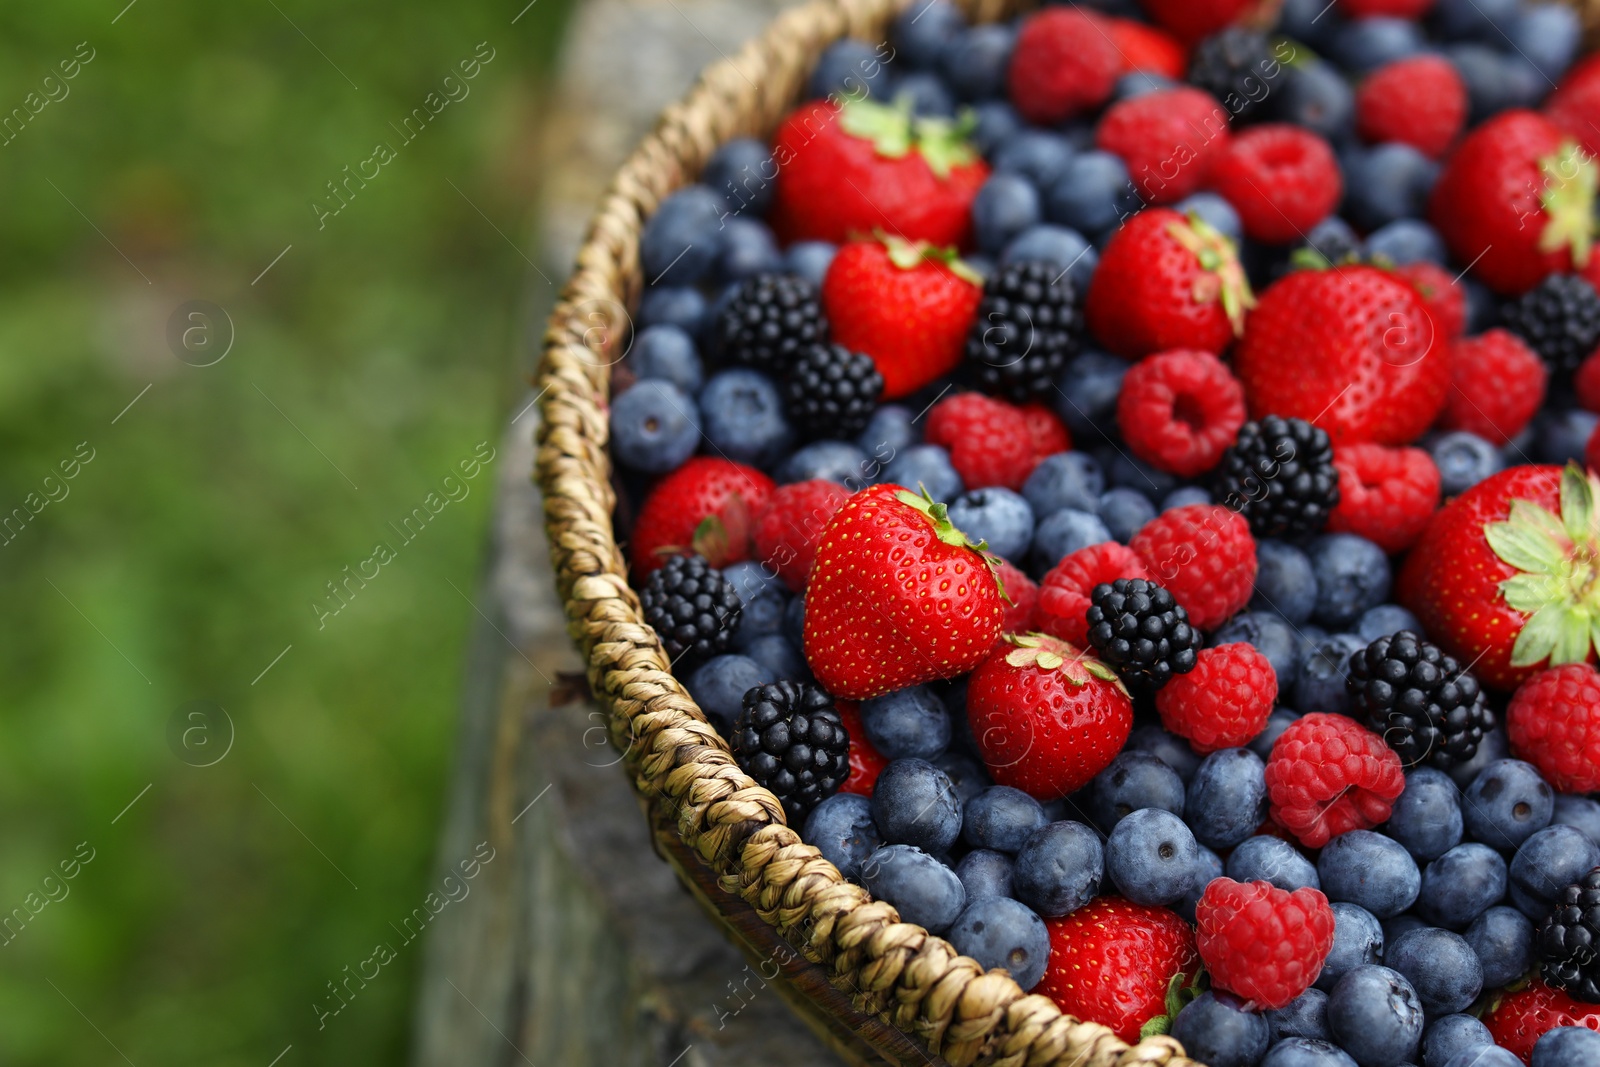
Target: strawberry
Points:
(708, 506)
(1504, 577)
(1190, 20)
(1517, 1020)
(1164, 282)
(1420, 100)
(845, 170)
(1446, 300)
(1115, 962)
(1516, 200)
(1022, 597)
(1575, 105)
(1046, 717)
(866, 762)
(908, 306)
(1146, 48)
(897, 597)
(1352, 349)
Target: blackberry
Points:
(1232, 66)
(1559, 319)
(832, 391)
(789, 738)
(692, 606)
(769, 320)
(1141, 632)
(1026, 330)
(1569, 940)
(1280, 476)
(1419, 700)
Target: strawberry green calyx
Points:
(938, 516)
(1179, 994)
(1051, 653)
(909, 255)
(1570, 182)
(895, 132)
(1224, 276)
(1559, 587)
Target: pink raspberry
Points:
(990, 442)
(1064, 594)
(1180, 410)
(1281, 179)
(1496, 386)
(1260, 942)
(1024, 596)
(1420, 101)
(1328, 775)
(1205, 555)
(1224, 702)
(1554, 723)
(1386, 495)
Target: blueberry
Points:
(1384, 621)
(1559, 437)
(908, 723)
(1183, 496)
(1305, 1016)
(1406, 241)
(1000, 818)
(1506, 803)
(1494, 746)
(998, 122)
(974, 63)
(1064, 247)
(1317, 96)
(1333, 239)
(832, 461)
(1308, 20)
(681, 242)
(1461, 885)
(1396, 928)
(1503, 939)
(1137, 83)
(1547, 862)
(1285, 582)
(1473, 20)
(1064, 480)
(1124, 511)
(1058, 869)
(966, 773)
(852, 69)
(890, 430)
(1483, 306)
(1000, 932)
(1464, 459)
(748, 248)
(742, 414)
(1269, 634)
(1493, 1056)
(1227, 798)
(809, 260)
(1388, 182)
(1063, 533)
(1125, 471)
(752, 580)
(1207, 869)
(1450, 1035)
(1567, 1046)
(996, 515)
(985, 873)
(1357, 942)
(1426, 818)
(923, 890)
(1218, 1030)
(666, 353)
(841, 828)
(1440, 966)
(1352, 575)
(1214, 210)
(1546, 35)
(742, 171)
(1006, 205)
(1150, 856)
(1086, 397)
(1582, 812)
(1375, 1014)
(1169, 748)
(719, 684)
(1093, 195)
(1132, 781)
(1369, 43)
(1366, 868)
(927, 94)
(1277, 723)
(915, 803)
(794, 621)
(777, 654)
(654, 426)
(1307, 1052)
(671, 305)
(1265, 858)
(923, 29)
(1493, 81)
(927, 466)
(1321, 682)
(1037, 155)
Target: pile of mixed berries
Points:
(1123, 480)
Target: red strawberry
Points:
(847, 170)
(1504, 576)
(1064, 63)
(1586, 383)
(1147, 48)
(1400, 9)
(1190, 20)
(1446, 300)
(705, 506)
(1170, 140)
(1420, 101)
(1386, 495)
(1516, 200)
(1496, 386)
(1166, 282)
(1046, 717)
(1352, 349)
(1282, 180)
(866, 762)
(1591, 451)
(789, 528)
(1113, 962)
(908, 306)
(990, 441)
(1519, 1019)
(1575, 105)
(1023, 597)
(897, 597)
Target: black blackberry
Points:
(1569, 940)
(832, 391)
(769, 320)
(692, 606)
(1559, 319)
(1141, 632)
(1027, 329)
(1419, 700)
(1232, 65)
(789, 738)
(1280, 476)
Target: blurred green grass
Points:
(188, 552)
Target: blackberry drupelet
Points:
(1280, 476)
(1026, 330)
(1141, 632)
(1569, 940)
(1232, 66)
(769, 320)
(692, 606)
(1419, 700)
(789, 738)
(1559, 319)
(832, 391)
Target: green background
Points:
(376, 353)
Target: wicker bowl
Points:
(877, 989)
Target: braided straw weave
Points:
(889, 970)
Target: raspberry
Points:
(705, 506)
(1049, 435)
(1328, 775)
(1180, 410)
(1064, 595)
(1281, 179)
(1386, 495)
(990, 442)
(1496, 386)
(1586, 382)
(1203, 553)
(1420, 101)
(1064, 63)
(1190, 20)
(1446, 300)
(866, 762)
(1260, 942)
(1024, 596)
(788, 531)
(1146, 48)
(1554, 723)
(1170, 140)
(1224, 702)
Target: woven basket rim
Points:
(896, 972)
